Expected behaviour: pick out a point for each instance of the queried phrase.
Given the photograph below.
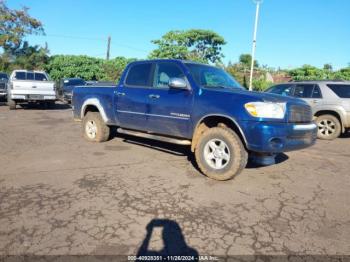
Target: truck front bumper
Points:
(270, 137)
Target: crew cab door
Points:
(131, 97)
(169, 110)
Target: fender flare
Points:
(94, 102)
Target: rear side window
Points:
(303, 91)
(139, 75)
(40, 77)
(342, 91)
(20, 75)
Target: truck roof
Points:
(24, 70)
(168, 60)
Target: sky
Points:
(290, 32)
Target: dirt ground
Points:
(62, 195)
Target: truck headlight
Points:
(266, 109)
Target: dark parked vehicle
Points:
(66, 88)
(3, 85)
(329, 100)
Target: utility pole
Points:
(254, 43)
(108, 47)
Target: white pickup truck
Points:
(30, 87)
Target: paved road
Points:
(62, 195)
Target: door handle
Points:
(120, 93)
(154, 96)
(315, 101)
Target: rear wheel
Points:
(220, 153)
(329, 127)
(94, 128)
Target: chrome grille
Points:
(299, 114)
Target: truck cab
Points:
(199, 105)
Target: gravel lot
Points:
(62, 195)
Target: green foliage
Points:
(308, 72)
(261, 84)
(61, 66)
(30, 57)
(114, 68)
(197, 45)
(246, 60)
(15, 25)
(88, 68)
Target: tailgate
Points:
(33, 86)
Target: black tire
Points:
(11, 104)
(238, 156)
(102, 130)
(329, 127)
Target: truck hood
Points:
(260, 96)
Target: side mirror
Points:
(178, 83)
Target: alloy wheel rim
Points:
(91, 129)
(217, 154)
(326, 127)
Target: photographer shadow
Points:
(174, 243)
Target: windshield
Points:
(212, 77)
(3, 76)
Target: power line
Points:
(94, 39)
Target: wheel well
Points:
(90, 108)
(329, 112)
(213, 121)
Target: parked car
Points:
(3, 85)
(30, 87)
(66, 87)
(330, 102)
(194, 104)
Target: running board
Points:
(154, 137)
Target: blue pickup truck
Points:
(202, 106)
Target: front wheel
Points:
(220, 153)
(329, 127)
(94, 128)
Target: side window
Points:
(303, 91)
(341, 90)
(139, 75)
(316, 93)
(284, 90)
(30, 76)
(40, 77)
(164, 72)
(20, 75)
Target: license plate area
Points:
(35, 97)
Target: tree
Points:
(246, 60)
(114, 68)
(15, 25)
(328, 67)
(196, 44)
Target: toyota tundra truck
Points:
(198, 105)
